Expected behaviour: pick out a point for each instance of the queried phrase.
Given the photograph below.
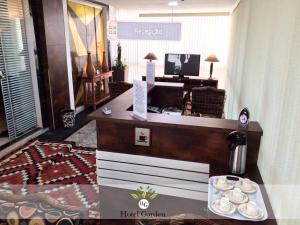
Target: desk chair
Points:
(208, 101)
(118, 88)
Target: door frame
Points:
(68, 54)
(30, 36)
(68, 45)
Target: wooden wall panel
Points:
(42, 72)
(56, 57)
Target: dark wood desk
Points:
(184, 138)
(189, 82)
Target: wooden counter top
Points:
(186, 138)
(120, 113)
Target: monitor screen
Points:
(182, 64)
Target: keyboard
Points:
(154, 109)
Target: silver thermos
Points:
(238, 152)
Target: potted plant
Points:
(120, 69)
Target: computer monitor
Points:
(182, 64)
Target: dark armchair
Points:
(118, 88)
(208, 101)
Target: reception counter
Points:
(186, 138)
(176, 137)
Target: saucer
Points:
(215, 207)
(228, 187)
(243, 212)
(238, 184)
(244, 199)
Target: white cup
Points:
(224, 204)
(237, 194)
(222, 182)
(247, 185)
(251, 208)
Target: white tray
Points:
(257, 197)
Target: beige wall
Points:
(264, 75)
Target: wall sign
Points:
(149, 31)
(112, 30)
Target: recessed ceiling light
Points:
(173, 3)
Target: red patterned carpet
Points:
(53, 182)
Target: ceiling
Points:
(184, 6)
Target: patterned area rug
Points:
(49, 181)
(86, 136)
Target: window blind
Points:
(16, 81)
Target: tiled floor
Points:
(3, 140)
(86, 136)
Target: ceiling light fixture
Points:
(173, 3)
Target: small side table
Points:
(96, 89)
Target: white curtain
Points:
(236, 57)
(202, 35)
(264, 75)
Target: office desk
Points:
(189, 82)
